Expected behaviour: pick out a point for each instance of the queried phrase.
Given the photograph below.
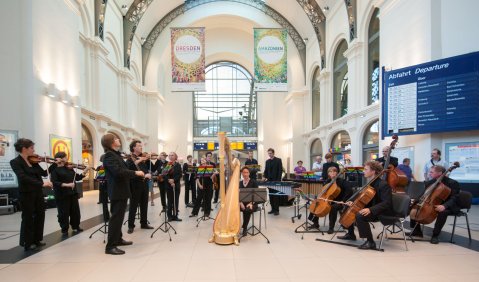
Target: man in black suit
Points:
(189, 177)
(173, 187)
(30, 184)
(381, 204)
(449, 206)
(329, 163)
(118, 182)
(138, 186)
(251, 207)
(272, 172)
(392, 160)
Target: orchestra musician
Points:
(118, 177)
(189, 177)
(346, 192)
(273, 171)
(173, 187)
(152, 164)
(247, 207)
(66, 196)
(392, 160)
(449, 206)
(329, 163)
(138, 186)
(161, 163)
(30, 184)
(201, 197)
(379, 205)
(252, 161)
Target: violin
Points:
(424, 210)
(394, 176)
(77, 166)
(36, 159)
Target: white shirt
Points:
(429, 164)
(318, 166)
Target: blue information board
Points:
(438, 96)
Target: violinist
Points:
(66, 196)
(138, 186)
(173, 186)
(189, 176)
(152, 164)
(346, 192)
(448, 207)
(161, 163)
(30, 184)
(379, 205)
(118, 182)
(386, 152)
(201, 197)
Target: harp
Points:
(227, 223)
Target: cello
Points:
(424, 211)
(394, 176)
(322, 205)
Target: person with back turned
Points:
(118, 182)
(30, 184)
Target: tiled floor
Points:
(189, 257)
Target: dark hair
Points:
(328, 156)
(439, 168)
(374, 165)
(60, 155)
(300, 161)
(133, 144)
(245, 167)
(23, 143)
(209, 153)
(437, 150)
(271, 150)
(189, 156)
(107, 141)
(405, 160)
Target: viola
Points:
(423, 211)
(322, 205)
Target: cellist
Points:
(380, 204)
(392, 160)
(346, 192)
(448, 207)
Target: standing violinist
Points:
(448, 207)
(381, 204)
(173, 186)
(66, 196)
(138, 186)
(201, 197)
(152, 165)
(161, 163)
(392, 160)
(346, 192)
(30, 184)
(189, 176)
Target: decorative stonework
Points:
(318, 21)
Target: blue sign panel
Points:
(250, 145)
(439, 96)
(200, 146)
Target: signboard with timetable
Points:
(438, 96)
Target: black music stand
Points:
(340, 229)
(259, 196)
(106, 214)
(306, 226)
(165, 226)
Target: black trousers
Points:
(33, 217)
(362, 222)
(190, 185)
(217, 194)
(333, 214)
(118, 208)
(68, 211)
(162, 187)
(247, 214)
(203, 200)
(139, 197)
(104, 201)
(438, 225)
(173, 195)
(274, 200)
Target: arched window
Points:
(371, 142)
(87, 157)
(315, 98)
(316, 150)
(373, 59)
(341, 146)
(340, 103)
(228, 104)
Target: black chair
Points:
(464, 200)
(400, 205)
(415, 189)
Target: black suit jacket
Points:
(451, 201)
(273, 169)
(64, 175)
(253, 171)
(382, 201)
(175, 175)
(29, 178)
(117, 176)
(137, 183)
(392, 160)
(346, 189)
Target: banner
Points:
(270, 60)
(188, 59)
(7, 153)
(61, 144)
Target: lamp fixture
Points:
(50, 90)
(325, 8)
(76, 101)
(64, 97)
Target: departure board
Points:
(438, 96)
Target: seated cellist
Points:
(380, 204)
(346, 192)
(448, 207)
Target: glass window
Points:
(371, 142)
(373, 59)
(340, 103)
(341, 147)
(316, 150)
(228, 104)
(315, 98)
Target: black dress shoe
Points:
(29, 248)
(415, 234)
(65, 231)
(114, 251)
(39, 244)
(368, 246)
(348, 236)
(276, 213)
(146, 226)
(177, 219)
(434, 240)
(245, 232)
(193, 215)
(330, 230)
(271, 212)
(78, 230)
(314, 226)
(124, 243)
(130, 230)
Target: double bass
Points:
(322, 205)
(423, 211)
(394, 176)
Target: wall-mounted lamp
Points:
(325, 8)
(76, 101)
(64, 97)
(142, 40)
(306, 40)
(50, 90)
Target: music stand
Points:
(306, 225)
(106, 214)
(166, 224)
(256, 195)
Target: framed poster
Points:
(61, 144)
(467, 154)
(7, 153)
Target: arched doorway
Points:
(87, 157)
(341, 147)
(371, 142)
(315, 150)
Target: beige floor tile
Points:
(162, 270)
(24, 272)
(65, 271)
(265, 268)
(209, 269)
